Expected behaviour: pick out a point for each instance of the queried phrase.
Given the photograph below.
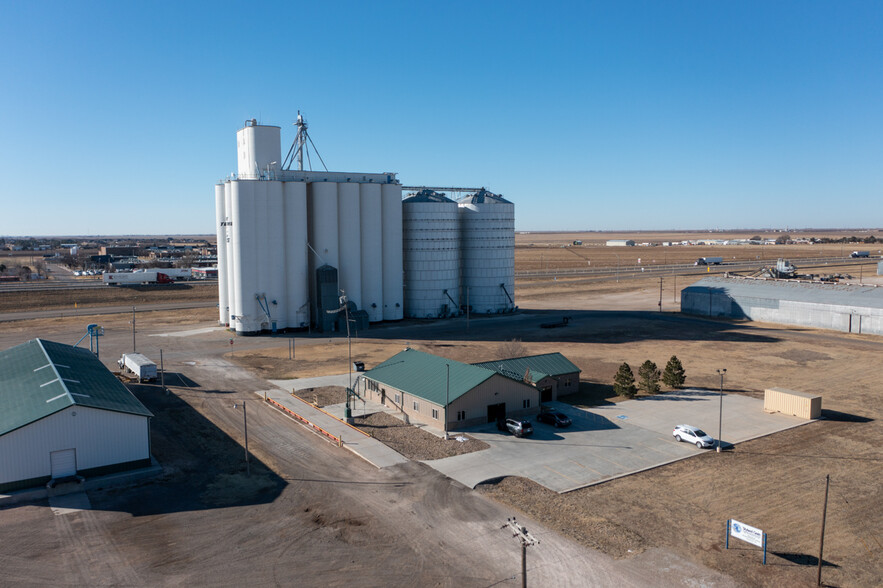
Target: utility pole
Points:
(720, 418)
(447, 397)
(526, 540)
(134, 348)
(162, 374)
(822, 537)
(674, 292)
(245, 426)
(660, 294)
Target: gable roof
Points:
(40, 378)
(540, 366)
(426, 375)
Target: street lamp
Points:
(447, 397)
(720, 419)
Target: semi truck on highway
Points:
(132, 278)
(138, 365)
(860, 254)
(709, 261)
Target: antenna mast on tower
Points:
(300, 146)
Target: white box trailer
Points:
(139, 365)
(177, 273)
(140, 277)
(709, 261)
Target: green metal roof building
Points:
(426, 388)
(551, 373)
(62, 413)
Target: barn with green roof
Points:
(430, 389)
(62, 414)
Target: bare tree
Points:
(511, 348)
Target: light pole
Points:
(617, 267)
(720, 418)
(447, 397)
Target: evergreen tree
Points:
(649, 376)
(674, 375)
(624, 382)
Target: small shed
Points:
(799, 404)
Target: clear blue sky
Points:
(118, 117)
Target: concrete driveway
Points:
(611, 441)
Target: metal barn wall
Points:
(100, 437)
(838, 317)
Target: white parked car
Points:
(693, 435)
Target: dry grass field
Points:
(775, 483)
(11, 301)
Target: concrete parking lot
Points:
(611, 441)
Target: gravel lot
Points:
(412, 442)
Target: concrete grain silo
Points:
(276, 227)
(371, 250)
(431, 247)
(391, 220)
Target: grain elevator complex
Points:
(291, 242)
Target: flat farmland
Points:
(550, 251)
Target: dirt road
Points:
(310, 514)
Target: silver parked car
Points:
(693, 435)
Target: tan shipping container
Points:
(799, 404)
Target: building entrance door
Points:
(63, 463)
(496, 412)
(546, 394)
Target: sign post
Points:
(746, 533)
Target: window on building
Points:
(461, 415)
(416, 405)
(525, 403)
(398, 399)
(567, 382)
(435, 413)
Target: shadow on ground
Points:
(203, 468)
(584, 326)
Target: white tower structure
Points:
(275, 226)
(258, 149)
(431, 242)
(487, 228)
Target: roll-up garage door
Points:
(64, 463)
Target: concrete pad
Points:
(368, 448)
(607, 442)
(69, 503)
(301, 383)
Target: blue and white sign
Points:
(746, 533)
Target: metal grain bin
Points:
(799, 404)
